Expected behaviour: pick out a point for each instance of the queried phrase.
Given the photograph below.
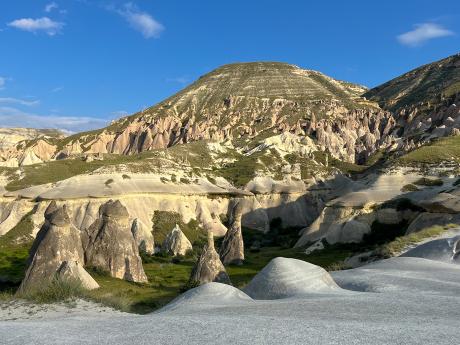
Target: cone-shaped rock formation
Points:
(57, 242)
(111, 245)
(232, 249)
(176, 243)
(209, 268)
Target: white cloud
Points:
(12, 117)
(51, 6)
(422, 33)
(2, 83)
(12, 100)
(57, 89)
(140, 21)
(44, 24)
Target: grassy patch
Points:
(165, 221)
(445, 149)
(14, 251)
(399, 244)
(56, 291)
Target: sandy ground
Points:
(404, 300)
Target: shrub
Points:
(56, 291)
(409, 188)
(191, 284)
(337, 266)
(173, 178)
(164, 179)
(184, 180)
(125, 177)
(428, 182)
(109, 182)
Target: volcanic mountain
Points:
(245, 101)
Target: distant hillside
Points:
(242, 102)
(425, 99)
(10, 137)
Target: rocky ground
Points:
(404, 300)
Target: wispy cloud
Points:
(140, 20)
(51, 6)
(423, 33)
(12, 117)
(2, 83)
(43, 24)
(57, 89)
(12, 100)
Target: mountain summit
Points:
(245, 101)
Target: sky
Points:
(78, 64)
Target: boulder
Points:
(176, 243)
(58, 241)
(72, 270)
(232, 248)
(111, 246)
(209, 268)
(284, 278)
(143, 237)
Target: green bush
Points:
(56, 291)
(191, 284)
(409, 188)
(424, 181)
(109, 182)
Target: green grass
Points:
(14, 251)
(54, 171)
(56, 290)
(399, 244)
(165, 221)
(445, 149)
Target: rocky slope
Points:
(424, 100)
(280, 141)
(240, 101)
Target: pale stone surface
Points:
(232, 248)
(110, 245)
(209, 268)
(73, 270)
(143, 236)
(57, 241)
(176, 243)
(283, 278)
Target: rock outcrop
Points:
(284, 278)
(225, 104)
(232, 248)
(57, 242)
(73, 271)
(143, 236)
(176, 243)
(110, 245)
(209, 268)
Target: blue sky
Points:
(76, 64)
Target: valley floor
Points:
(402, 300)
